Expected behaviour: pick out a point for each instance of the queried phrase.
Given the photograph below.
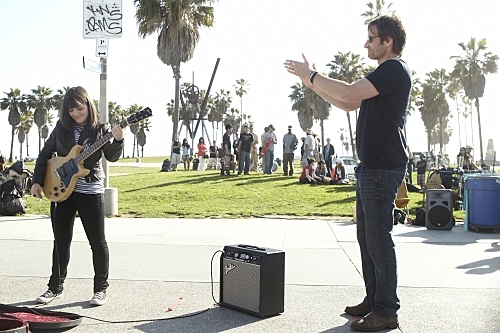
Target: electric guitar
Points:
(62, 172)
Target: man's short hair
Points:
(228, 126)
(390, 26)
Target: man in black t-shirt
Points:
(244, 147)
(382, 97)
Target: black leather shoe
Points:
(373, 323)
(359, 310)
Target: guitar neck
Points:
(96, 145)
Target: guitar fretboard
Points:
(96, 145)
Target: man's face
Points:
(247, 130)
(374, 45)
(229, 130)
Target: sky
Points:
(42, 44)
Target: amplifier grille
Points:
(241, 285)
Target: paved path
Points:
(449, 280)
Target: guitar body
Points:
(61, 175)
(62, 172)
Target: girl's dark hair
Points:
(310, 160)
(76, 97)
(390, 26)
(201, 139)
(185, 143)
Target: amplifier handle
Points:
(251, 247)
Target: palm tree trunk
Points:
(27, 146)
(133, 148)
(480, 133)
(322, 136)
(350, 134)
(177, 76)
(21, 151)
(11, 158)
(39, 139)
(458, 119)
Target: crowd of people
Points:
(248, 152)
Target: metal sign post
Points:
(102, 19)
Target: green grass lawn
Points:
(147, 192)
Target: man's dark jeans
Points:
(288, 161)
(376, 191)
(244, 160)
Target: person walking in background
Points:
(421, 169)
(382, 97)
(226, 151)
(269, 137)
(309, 145)
(212, 160)
(254, 155)
(302, 151)
(329, 151)
(262, 146)
(202, 153)
(290, 143)
(176, 153)
(78, 124)
(244, 147)
(186, 156)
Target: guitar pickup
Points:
(60, 173)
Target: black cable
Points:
(212, 275)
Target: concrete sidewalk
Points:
(449, 280)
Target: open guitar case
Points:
(15, 319)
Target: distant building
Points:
(490, 154)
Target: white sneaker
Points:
(47, 297)
(99, 298)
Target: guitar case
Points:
(15, 319)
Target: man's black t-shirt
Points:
(226, 142)
(380, 140)
(246, 140)
(213, 151)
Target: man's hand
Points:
(301, 69)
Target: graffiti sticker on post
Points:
(102, 18)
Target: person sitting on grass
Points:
(339, 175)
(307, 175)
(320, 173)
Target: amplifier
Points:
(252, 279)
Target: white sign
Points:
(93, 66)
(102, 18)
(101, 47)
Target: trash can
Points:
(483, 201)
(196, 161)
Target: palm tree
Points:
(23, 130)
(15, 103)
(134, 128)
(57, 99)
(240, 91)
(375, 10)
(347, 67)
(471, 69)
(115, 113)
(141, 135)
(321, 110)
(177, 24)
(40, 99)
(305, 113)
(433, 107)
(233, 118)
(222, 103)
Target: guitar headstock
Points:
(143, 114)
